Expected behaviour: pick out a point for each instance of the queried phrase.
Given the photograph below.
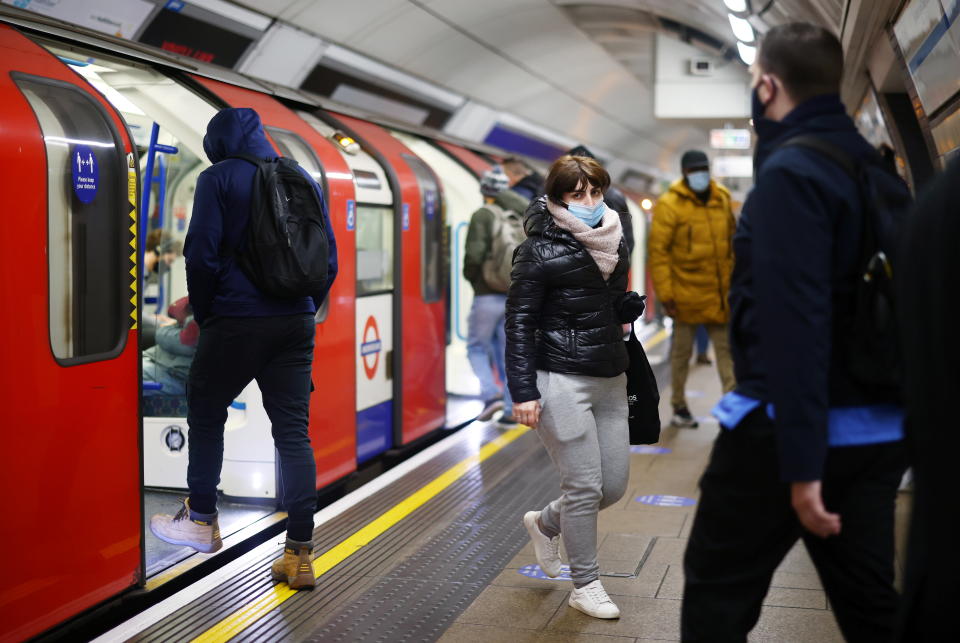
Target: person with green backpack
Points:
(496, 229)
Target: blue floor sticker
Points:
(667, 501)
(534, 571)
(644, 448)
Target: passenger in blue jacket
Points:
(805, 450)
(244, 335)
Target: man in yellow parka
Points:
(691, 259)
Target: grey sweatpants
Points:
(583, 425)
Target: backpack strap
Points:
(224, 251)
(852, 168)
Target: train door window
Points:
(167, 122)
(293, 146)
(87, 220)
(374, 250)
(148, 101)
(432, 265)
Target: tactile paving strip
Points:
(300, 615)
(421, 597)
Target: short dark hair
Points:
(808, 59)
(567, 172)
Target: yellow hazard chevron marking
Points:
(132, 197)
(261, 605)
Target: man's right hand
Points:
(670, 307)
(527, 413)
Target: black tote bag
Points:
(643, 397)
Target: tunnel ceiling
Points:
(583, 68)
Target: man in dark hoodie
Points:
(805, 450)
(244, 335)
(614, 199)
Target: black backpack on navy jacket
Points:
(871, 339)
(285, 249)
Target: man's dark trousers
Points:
(745, 525)
(277, 352)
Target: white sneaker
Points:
(180, 530)
(547, 549)
(593, 600)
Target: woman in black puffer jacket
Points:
(566, 361)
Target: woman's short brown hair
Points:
(567, 172)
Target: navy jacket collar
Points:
(819, 114)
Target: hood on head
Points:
(236, 130)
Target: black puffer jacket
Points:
(561, 315)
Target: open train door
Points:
(332, 418)
(68, 345)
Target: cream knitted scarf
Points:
(602, 242)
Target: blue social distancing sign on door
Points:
(86, 174)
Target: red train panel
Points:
(422, 333)
(72, 463)
(468, 159)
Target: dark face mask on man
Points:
(758, 107)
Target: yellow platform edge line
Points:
(658, 337)
(270, 600)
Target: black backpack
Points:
(285, 250)
(870, 340)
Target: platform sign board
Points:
(121, 19)
(188, 34)
(928, 32)
(666, 501)
(730, 139)
(733, 166)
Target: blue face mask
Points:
(590, 216)
(699, 181)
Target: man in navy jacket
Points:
(244, 335)
(805, 450)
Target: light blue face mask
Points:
(590, 216)
(699, 181)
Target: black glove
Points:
(630, 305)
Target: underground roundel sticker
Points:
(370, 347)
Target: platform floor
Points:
(648, 543)
(435, 550)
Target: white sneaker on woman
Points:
(547, 549)
(593, 600)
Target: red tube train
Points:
(102, 145)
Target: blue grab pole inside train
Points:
(145, 191)
(161, 181)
